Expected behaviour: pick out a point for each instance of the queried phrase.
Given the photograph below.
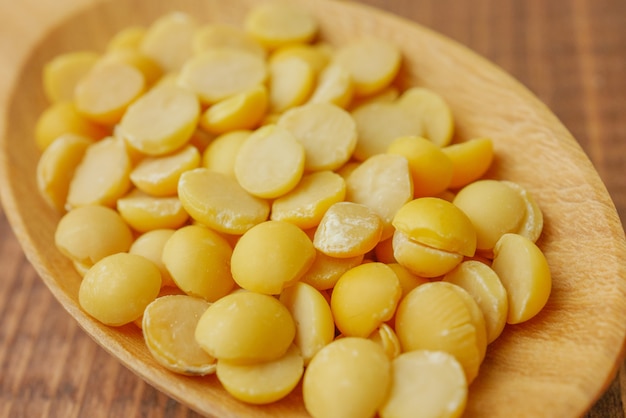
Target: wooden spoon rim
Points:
(547, 134)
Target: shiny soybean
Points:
(364, 297)
(158, 176)
(263, 382)
(347, 378)
(271, 256)
(90, 233)
(198, 260)
(246, 328)
(118, 288)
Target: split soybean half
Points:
(275, 210)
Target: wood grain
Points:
(570, 54)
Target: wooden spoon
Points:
(557, 364)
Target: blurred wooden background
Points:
(571, 54)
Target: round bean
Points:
(265, 382)
(199, 261)
(90, 233)
(525, 274)
(271, 256)
(117, 289)
(270, 162)
(348, 378)
(431, 382)
(365, 297)
(246, 328)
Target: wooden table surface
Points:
(570, 53)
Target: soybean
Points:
(364, 367)
(246, 328)
(168, 326)
(118, 288)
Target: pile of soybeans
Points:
(275, 210)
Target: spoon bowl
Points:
(556, 364)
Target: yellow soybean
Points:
(431, 168)
(334, 85)
(218, 201)
(64, 71)
(221, 153)
(348, 230)
(169, 325)
(326, 131)
(118, 288)
(90, 233)
(199, 261)
(315, 327)
(307, 203)
(372, 62)
(433, 113)
(348, 378)
(437, 223)
(378, 124)
(423, 260)
(162, 120)
(240, 111)
(484, 285)
(478, 319)
(217, 74)
(62, 118)
(525, 274)
(106, 91)
(291, 80)
(158, 176)
(434, 316)
(270, 162)
(431, 382)
(365, 297)
(271, 256)
(145, 213)
(494, 209)
(277, 24)
(383, 183)
(150, 70)
(470, 160)
(103, 175)
(264, 382)
(532, 224)
(56, 167)
(246, 328)
(169, 40)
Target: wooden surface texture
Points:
(570, 53)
